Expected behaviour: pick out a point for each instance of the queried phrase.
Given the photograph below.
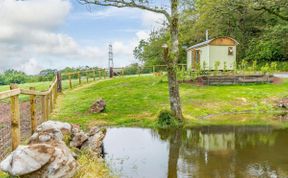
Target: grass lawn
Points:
(136, 101)
(42, 86)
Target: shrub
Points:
(167, 119)
(216, 67)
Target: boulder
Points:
(61, 165)
(283, 103)
(27, 159)
(46, 155)
(98, 106)
(65, 128)
(94, 144)
(78, 139)
(53, 134)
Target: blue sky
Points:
(39, 34)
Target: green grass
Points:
(136, 101)
(43, 86)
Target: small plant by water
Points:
(167, 119)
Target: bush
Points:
(167, 119)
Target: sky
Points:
(41, 34)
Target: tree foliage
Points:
(13, 76)
(258, 25)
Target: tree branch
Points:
(270, 11)
(124, 3)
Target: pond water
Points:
(199, 152)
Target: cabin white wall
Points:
(220, 53)
(204, 56)
(189, 59)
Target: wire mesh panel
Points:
(25, 120)
(25, 123)
(39, 116)
(5, 129)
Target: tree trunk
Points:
(174, 152)
(175, 102)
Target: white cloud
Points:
(151, 20)
(106, 13)
(142, 35)
(34, 13)
(29, 40)
(30, 66)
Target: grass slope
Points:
(136, 101)
(40, 86)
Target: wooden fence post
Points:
(139, 71)
(79, 77)
(33, 111)
(44, 106)
(122, 72)
(55, 94)
(51, 101)
(15, 118)
(47, 106)
(59, 82)
(87, 77)
(70, 82)
(153, 69)
(99, 74)
(104, 74)
(111, 73)
(94, 75)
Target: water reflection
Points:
(200, 152)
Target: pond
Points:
(198, 152)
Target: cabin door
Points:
(196, 58)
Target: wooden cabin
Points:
(207, 53)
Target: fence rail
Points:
(48, 100)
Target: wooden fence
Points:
(102, 73)
(105, 73)
(48, 101)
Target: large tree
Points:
(173, 57)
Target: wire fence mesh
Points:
(5, 129)
(25, 124)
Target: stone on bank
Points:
(47, 155)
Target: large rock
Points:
(94, 144)
(283, 103)
(27, 159)
(65, 128)
(61, 165)
(46, 156)
(98, 106)
(53, 134)
(78, 139)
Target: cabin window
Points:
(230, 51)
